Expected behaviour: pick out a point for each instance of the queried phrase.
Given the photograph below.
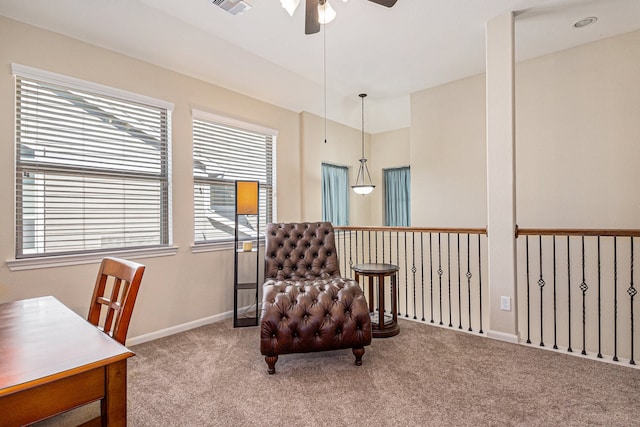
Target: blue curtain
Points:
(335, 194)
(397, 197)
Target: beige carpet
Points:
(425, 376)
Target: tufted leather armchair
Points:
(306, 305)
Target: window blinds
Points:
(92, 171)
(223, 154)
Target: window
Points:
(92, 167)
(225, 150)
(335, 194)
(397, 197)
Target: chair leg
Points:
(358, 352)
(271, 363)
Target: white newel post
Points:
(501, 186)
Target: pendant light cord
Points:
(362, 98)
(324, 50)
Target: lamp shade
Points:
(247, 197)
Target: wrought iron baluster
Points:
(526, 241)
(362, 236)
(440, 274)
(406, 279)
(376, 234)
(422, 269)
(632, 293)
(413, 270)
(350, 250)
(459, 290)
(615, 299)
(599, 307)
(449, 273)
(383, 246)
(541, 286)
(569, 349)
(480, 279)
(469, 277)
(431, 273)
(584, 287)
(398, 264)
(555, 307)
(357, 248)
(369, 242)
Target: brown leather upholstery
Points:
(307, 306)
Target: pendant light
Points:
(361, 186)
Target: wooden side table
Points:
(382, 326)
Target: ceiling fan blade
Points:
(311, 24)
(388, 3)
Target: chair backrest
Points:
(121, 280)
(300, 251)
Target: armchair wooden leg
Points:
(358, 352)
(271, 363)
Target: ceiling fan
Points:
(320, 12)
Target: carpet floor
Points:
(425, 376)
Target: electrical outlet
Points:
(505, 303)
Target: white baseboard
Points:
(179, 328)
(501, 336)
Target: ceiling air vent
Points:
(234, 7)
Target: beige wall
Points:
(448, 155)
(388, 150)
(578, 136)
(577, 133)
(176, 289)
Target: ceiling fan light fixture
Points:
(326, 13)
(290, 5)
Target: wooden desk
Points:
(52, 360)
(384, 326)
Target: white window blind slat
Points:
(223, 154)
(92, 171)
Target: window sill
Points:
(88, 258)
(226, 245)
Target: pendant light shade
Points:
(362, 185)
(326, 13)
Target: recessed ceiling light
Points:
(586, 21)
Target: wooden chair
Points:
(122, 278)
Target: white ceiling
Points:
(387, 53)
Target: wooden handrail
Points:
(414, 229)
(577, 232)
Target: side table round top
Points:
(375, 268)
